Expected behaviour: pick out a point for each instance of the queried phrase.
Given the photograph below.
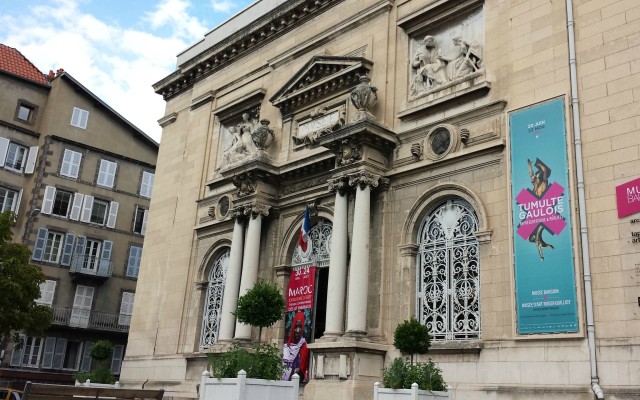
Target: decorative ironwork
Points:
(449, 269)
(320, 238)
(213, 300)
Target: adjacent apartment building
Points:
(459, 160)
(79, 177)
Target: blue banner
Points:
(543, 248)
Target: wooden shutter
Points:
(146, 187)
(79, 252)
(58, 353)
(4, 147)
(47, 291)
(18, 352)
(86, 357)
(133, 265)
(113, 214)
(67, 250)
(116, 360)
(126, 308)
(47, 353)
(31, 160)
(87, 206)
(105, 258)
(143, 231)
(74, 169)
(65, 168)
(76, 208)
(107, 173)
(49, 197)
(41, 242)
(16, 206)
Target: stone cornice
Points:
(264, 30)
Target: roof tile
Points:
(13, 62)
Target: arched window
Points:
(213, 299)
(318, 255)
(449, 272)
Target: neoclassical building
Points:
(459, 161)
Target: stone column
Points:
(337, 262)
(359, 265)
(232, 281)
(250, 260)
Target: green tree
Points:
(261, 306)
(411, 337)
(19, 286)
(101, 372)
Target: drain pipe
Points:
(586, 260)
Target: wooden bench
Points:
(42, 391)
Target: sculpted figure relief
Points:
(430, 67)
(242, 145)
(434, 69)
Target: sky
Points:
(115, 48)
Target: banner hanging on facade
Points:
(298, 322)
(543, 249)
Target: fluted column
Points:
(232, 281)
(250, 260)
(337, 261)
(359, 265)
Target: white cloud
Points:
(224, 6)
(118, 65)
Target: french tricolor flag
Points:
(303, 240)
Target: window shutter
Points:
(47, 353)
(84, 117)
(58, 354)
(86, 357)
(47, 291)
(79, 253)
(102, 173)
(133, 265)
(105, 258)
(16, 355)
(76, 208)
(116, 360)
(65, 168)
(49, 196)
(74, 170)
(87, 205)
(126, 308)
(16, 206)
(113, 214)
(107, 173)
(67, 250)
(4, 147)
(31, 160)
(146, 187)
(41, 241)
(143, 231)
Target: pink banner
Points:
(628, 198)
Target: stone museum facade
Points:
(459, 160)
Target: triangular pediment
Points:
(320, 77)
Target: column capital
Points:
(257, 210)
(338, 184)
(408, 250)
(363, 179)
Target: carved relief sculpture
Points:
(363, 97)
(321, 122)
(433, 69)
(242, 145)
(429, 64)
(263, 135)
(467, 61)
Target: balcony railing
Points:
(89, 319)
(92, 266)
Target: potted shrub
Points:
(406, 380)
(254, 372)
(100, 375)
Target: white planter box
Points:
(99, 385)
(408, 394)
(243, 388)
